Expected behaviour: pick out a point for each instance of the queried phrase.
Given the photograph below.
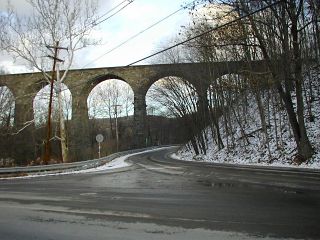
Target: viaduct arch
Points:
(81, 81)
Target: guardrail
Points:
(70, 166)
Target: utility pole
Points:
(55, 58)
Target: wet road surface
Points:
(159, 198)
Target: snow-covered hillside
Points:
(280, 150)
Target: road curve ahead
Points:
(160, 198)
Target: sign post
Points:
(99, 139)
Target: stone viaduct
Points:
(80, 82)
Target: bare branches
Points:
(66, 21)
(25, 125)
(280, 34)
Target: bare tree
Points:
(175, 97)
(68, 22)
(107, 94)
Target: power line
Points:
(97, 21)
(139, 33)
(209, 31)
(115, 7)
(103, 20)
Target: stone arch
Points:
(175, 90)
(110, 110)
(170, 101)
(96, 80)
(83, 126)
(170, 73)
(116, 91)
(36, 85)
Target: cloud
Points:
(21, 6)
(11, 67)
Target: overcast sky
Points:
(133, 19)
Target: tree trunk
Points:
(63, 139)
(304, 147)
(262, 115)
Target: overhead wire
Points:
(105, 19)
(139, 33)
(115, 7)
(208, 31)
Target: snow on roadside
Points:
(119, 162)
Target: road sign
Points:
(99, 138)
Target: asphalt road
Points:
(159, 198)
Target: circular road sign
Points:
(99, 138)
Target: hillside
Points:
(279, 150)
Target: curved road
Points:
(160, 198)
